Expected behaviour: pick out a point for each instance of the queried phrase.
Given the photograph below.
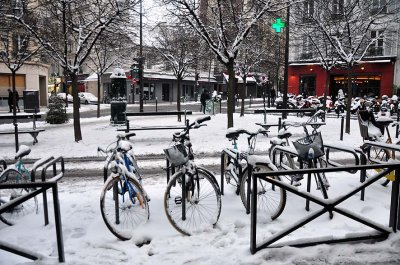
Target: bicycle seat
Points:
(233, 133)
(284, 134)
(22, 151)
(125, 146)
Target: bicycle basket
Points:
(314, 142)
(176, 155)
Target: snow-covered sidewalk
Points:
(88, 241)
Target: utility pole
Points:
(141, 59)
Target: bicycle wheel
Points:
(286, 162)
(271, 199)
(202, 203)
(124, 206)
(231, 172)
(13, 215)
(381, 155)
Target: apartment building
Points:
(377, 74)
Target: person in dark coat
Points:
(203, 99)
(10, 99)
(273, 96)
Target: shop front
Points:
(370, 78)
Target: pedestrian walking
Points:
(11, 100)
(203, 99)
(273, 96)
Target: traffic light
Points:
(135, 70)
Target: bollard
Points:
(156, 106)
(250, 102)
(397, 131)
(220, 106)
(341, 128)
(279, 123)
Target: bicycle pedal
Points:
(178, 200)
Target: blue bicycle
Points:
(123, 201)
(16, 173)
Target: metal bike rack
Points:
(38, 187)
(328, 206)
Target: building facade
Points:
(377, 74)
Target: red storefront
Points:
(370, 78)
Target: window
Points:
(20, 45)
(307, 48)
(378, 6)
(376, 48)
(337, 7)
(308, 9)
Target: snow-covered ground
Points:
(88, 241)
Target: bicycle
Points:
(374, 130)
(123, 201)
(16, 174)
(271, 199)
(283, 155)
(192, 200)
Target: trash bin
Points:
(118, 112)
(31, 101)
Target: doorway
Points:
(165, 92)
(307, 85)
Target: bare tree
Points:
(16, 48)
(181, 50)
(224, 25)
(352, 28)
(106, 53)
(78, 24)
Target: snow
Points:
(88, 241)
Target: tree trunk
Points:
(14, 110)
(76, 105)
(98, 95)
(349, 96)
(231, 92)
(178, 96)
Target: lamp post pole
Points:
(285, 82)
(140, 59)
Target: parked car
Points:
(62, 96)
(87, 98)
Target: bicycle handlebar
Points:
(234, 133)
(194, 125)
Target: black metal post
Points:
(279, 123)
(168, 172)
(397, 129)
(286, 74)
(341, 128)
(223, 165)
(220, 106)
(248, 183)
(183, 197)
(156, 105)
(141, 58)
(57, 217)
(253, 216)
(394, 204)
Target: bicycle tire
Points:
(202, 211)
(13, 216)
(285, 161)
(132, 212)
(271, 200)
(229, 178)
